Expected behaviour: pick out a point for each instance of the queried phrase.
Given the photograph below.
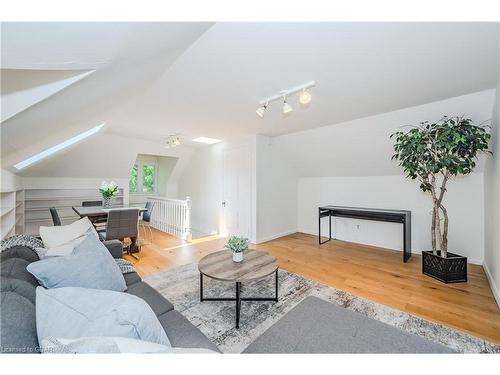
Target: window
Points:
(143, 177)
(132, 182)
(148, 178)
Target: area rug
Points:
(216, 319)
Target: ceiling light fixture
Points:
(287, 108)
(304, 98)
(206, 140)
(52, 150)
(261, 110)
(173, 140)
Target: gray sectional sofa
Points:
(17, 307)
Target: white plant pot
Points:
(237, 257)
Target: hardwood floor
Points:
(374, 273)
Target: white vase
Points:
(237, 257)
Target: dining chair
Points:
(99, 223)
(122, 223)
(145, 223)
(56, 220)
(91, 203)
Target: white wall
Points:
(276, 184)
(492, 202)
(395, 192)
(202, 180)
(350, 164)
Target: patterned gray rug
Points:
(216, 319)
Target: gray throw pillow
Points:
(90, 265)
(72, 313)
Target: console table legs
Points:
(238, 297)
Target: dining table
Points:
(95, 213)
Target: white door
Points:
(237, 191)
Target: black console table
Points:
(391, 216)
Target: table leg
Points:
(276, 299)
(238, 304)
(201, 287)
(319, 226)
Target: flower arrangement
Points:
(237, 244)
(108, 191)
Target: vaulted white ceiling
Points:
(201, 79)
(126, 58)
(361, 69)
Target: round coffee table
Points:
(255, 265)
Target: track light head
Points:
(261, 111)
(287, 108)
(305, 97)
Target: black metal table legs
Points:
(323, 214)
(238, 297)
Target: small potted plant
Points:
(108, 191)
(237, 245)
(434, 153)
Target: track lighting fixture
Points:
(287, 108)
(172, 141)
(304, 99)
(261, 110)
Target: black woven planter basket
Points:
(452, 269)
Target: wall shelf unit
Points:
(38, 201)
(11, 213)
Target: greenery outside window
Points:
(148, 178)
(132, 182)
(143, 178)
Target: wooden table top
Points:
(99, 211)
(255, 265)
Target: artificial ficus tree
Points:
(435, 152)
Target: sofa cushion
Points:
(21, 287)
(21, 252)
(89, 266)
(155, 300)
(182, 333)
(15, 268)
(102, 345)
(131, 278)
(17, 324)
(79, 312)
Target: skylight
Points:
(52, 150)
(206, 140)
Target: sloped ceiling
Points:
(126, 58)
(22, 88)
(200, 79)
(361, 69)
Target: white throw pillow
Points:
(61, 240)
(102, 345)
(73, 313)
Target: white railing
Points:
(172, 216)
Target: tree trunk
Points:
(438, 229)
(433, 230)
(444, 248)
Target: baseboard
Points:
(274, 236)
(493, 286)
